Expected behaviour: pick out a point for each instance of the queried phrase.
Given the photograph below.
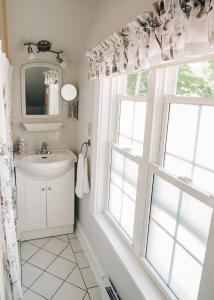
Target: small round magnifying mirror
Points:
(68, 92)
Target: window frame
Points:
(161, 90)
(113, 145)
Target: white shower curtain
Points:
(9, 259)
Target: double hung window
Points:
(171, 178)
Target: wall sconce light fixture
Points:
(44, 46)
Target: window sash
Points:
(137, 160)
(207, 199)
(173, 99)
(113, 145)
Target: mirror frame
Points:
(23, 94)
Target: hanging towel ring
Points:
(86, 144)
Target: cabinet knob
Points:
(43, 189)
(49, 188)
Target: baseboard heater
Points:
(109, 289)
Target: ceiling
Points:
(65, 23)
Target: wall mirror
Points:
(41, 85)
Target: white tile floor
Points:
(57, 268)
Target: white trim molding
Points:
(92, 259)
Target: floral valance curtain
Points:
(9, 261)
(173, 30)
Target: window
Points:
(178, 227)
(180, 209)
(126, 153)
(189, 146)
(161, 173)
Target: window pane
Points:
(177, 217)
(132, 126)
(128, 213)
(130, 179)
(186, 275)
(125, 143)
(165, 199)
(137, 84)
(123, 190)
(189, 146)
(139, 121)
(159, 250)
(115, 201)
(196, 79)
(126, 118)
(205, 149)
(182, 168)
(194, 225)
(117, 164)
(204, 179)
(181, 133)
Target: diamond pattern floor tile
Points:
(61, 268)
(94, 293)
(69, 292)
(42, 259)
(75, 244)
(56, 268)
(89, 278)
(81, 260)
(46, 285)
(30, 274)
(76, 279)
(39, 242)
(63, 237)
(29, 295)
(68, 254)
(72, 236)
(55, 246)
(86, 297)
(28, 250)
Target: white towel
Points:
(82, 184)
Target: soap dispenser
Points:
(22, 146)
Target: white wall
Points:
(109, 18)
(64, 138)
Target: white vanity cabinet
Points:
(45, 206)
(60, 200)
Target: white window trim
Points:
(154, 137)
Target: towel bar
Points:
(87, 144)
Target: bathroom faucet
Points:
(44, 148)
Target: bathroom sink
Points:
(46, 165)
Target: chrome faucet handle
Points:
(44, 144)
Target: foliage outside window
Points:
(196, 79)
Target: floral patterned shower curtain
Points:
(8, 238)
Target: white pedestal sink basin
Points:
(46, 165)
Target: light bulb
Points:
(31, 56)
(62, 64)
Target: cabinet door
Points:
(31, 198)
(60, 200)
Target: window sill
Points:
(137, 272)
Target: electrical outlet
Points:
(89, 129)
